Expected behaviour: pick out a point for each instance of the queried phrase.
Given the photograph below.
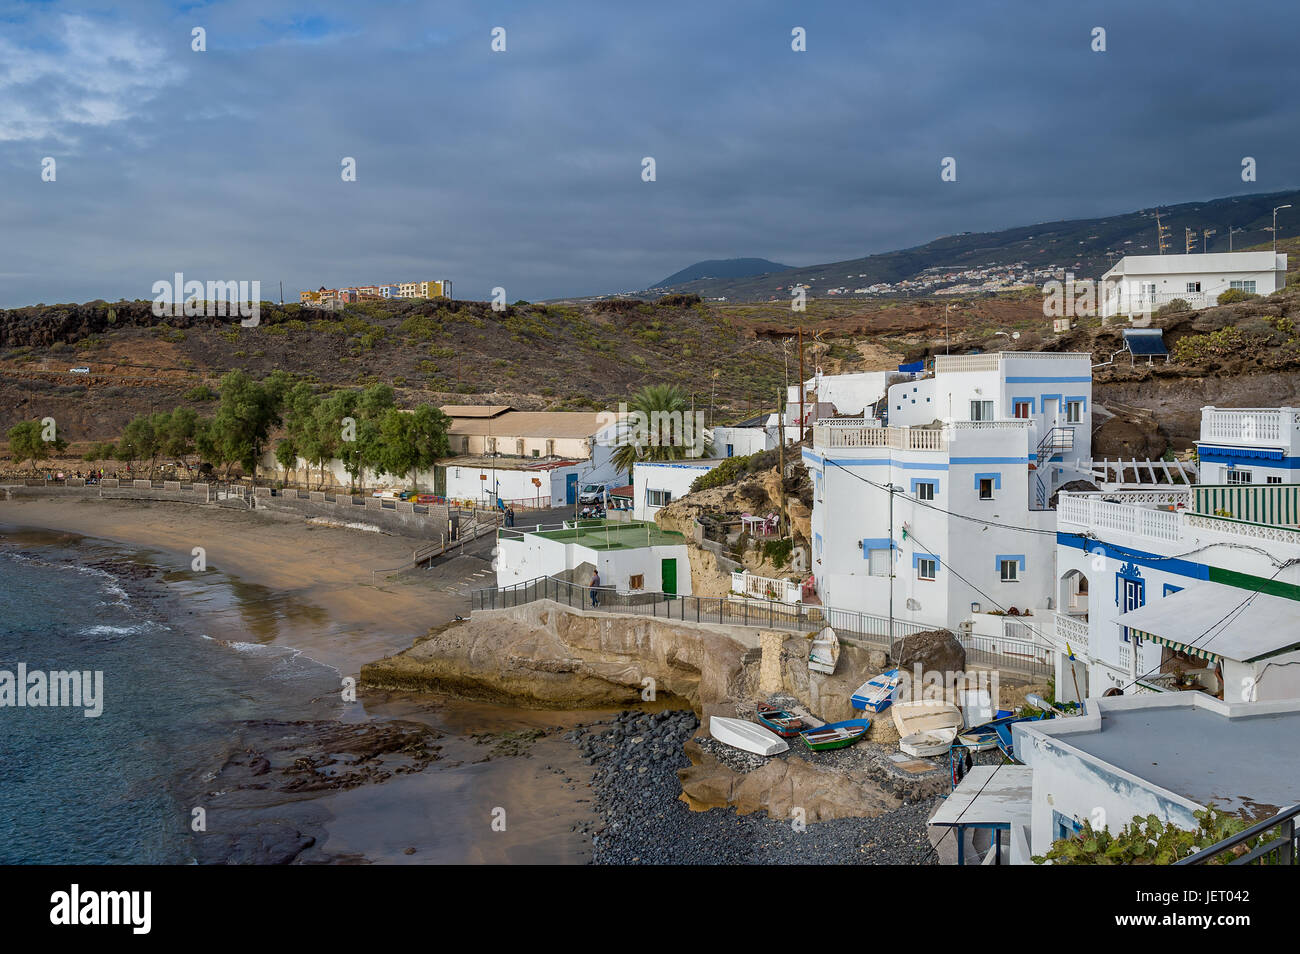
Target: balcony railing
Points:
(1092, 513)
(1072, 630)
(765, 588)
(898, 438)
(1273, 505)
(1270, 426)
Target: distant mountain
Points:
(722, 268)
(1086, 247)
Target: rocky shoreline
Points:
(638, 758)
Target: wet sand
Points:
(494, 794)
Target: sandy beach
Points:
(290, 585)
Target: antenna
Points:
(1231, 232)
(1189, 240)
(1205, 234)
(1161, 244)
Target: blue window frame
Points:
(925, 495)
(1063, 826)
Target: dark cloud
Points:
(522, 169)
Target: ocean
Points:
(112, 789)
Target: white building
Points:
(658, 483)
(1168, 755)
(632, 558)
(485, 480)
(1128, 563)
(1142, 283)
(500, 431)
(961, 502)
(744, 439)
(1050, 390)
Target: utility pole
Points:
(1160, 234)
(892, 489)
(282, 293)
(801, 386)
(780, 475)
(1189, 240)
(1231, 233)
(1275, 212)
(1205, 234)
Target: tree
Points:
(100, 451)
(28, 441)
(140, 441)
(660, 426)
(412, 442)
(248, 409)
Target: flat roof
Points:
(1197, 262)
(614, 535)
(508, 463)
(558, 424)
(989, 795)
(475, 410)
(1239, 756)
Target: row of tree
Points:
(364, 429)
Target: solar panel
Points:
(1145, 341)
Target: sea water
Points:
(109, 790)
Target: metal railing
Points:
(1248, 847)
(853, 625)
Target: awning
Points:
(1212, 621)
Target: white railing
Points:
(898, 438)
(745, 583)
(1011, 422)
(1171, 497)
(1072, 630)
(848, 422)
(1090, 513)
(1276, 426)
(946, 363)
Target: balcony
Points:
(1274, 427)
(1087, 512)
(897, 438)
(1072, 630)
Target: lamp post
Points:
(893, 489)
(1231, 232)
(1275, 212)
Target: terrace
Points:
(1261, 510)
(601, 534)
(858, 434)
(1271, 427)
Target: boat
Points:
(926, 727)
(1003, 730)
(785, 724)
(835, 735)
(825, 652)
(877, 693)
(984, 737)
(746, 736)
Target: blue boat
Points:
(1003, 729)
(877, 694)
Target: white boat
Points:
(747, 736)
(825, 652)
(877, 693)
(926, 727)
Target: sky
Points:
(523, 169)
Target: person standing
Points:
(595, 588)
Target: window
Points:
(878, 562)
(1238, 476)
(536, 452)
(491, 444)
(731, 450)
(659, 498)
(636, 582)
(1272, 479)
(925, 568)
(924, 491)
(1246, 286)
(986, 488)
(1022, 409)
(1010, 569)
(981, 410)
(1194, 287)
(1073, 412)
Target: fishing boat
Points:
(926, 727)
(785, 724)
(984, 737)
(746, 736)
(877, 693)
(825, 652)
(835, 735)
(1003, 730)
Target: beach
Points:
(291, 770)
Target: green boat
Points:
(836, 735)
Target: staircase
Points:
(1058, 440)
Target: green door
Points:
(669, 576)
(440, 481)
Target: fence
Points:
(849, 625)
(1091, 513)
(1249, 847)
(745, 583)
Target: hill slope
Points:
(716, 268)
(1085, 246)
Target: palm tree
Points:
(660, 426)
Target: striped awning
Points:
(1214, 621)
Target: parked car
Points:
(81, 370)
(426, 498)
(591, 493)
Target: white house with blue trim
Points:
(1051, 390)
(1188, 587)
(657, 483)
(958, 546)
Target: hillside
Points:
(722, 268)
(733, 357)
(1085, 246)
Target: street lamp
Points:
(1275, 212)
(893, 489)
(1231, 232)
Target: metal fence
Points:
(850, 625)
(1254, 846)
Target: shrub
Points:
(1173, 307)
(777, 552)
(1144, 841)
(1235, 295)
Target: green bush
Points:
(1144, 841)
(729, 471)
(1173, 307)
(1235, 295)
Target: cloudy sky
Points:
(523, 168)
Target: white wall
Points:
(478, 482)
(529, 556)
(673, 476)
(742, 441)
